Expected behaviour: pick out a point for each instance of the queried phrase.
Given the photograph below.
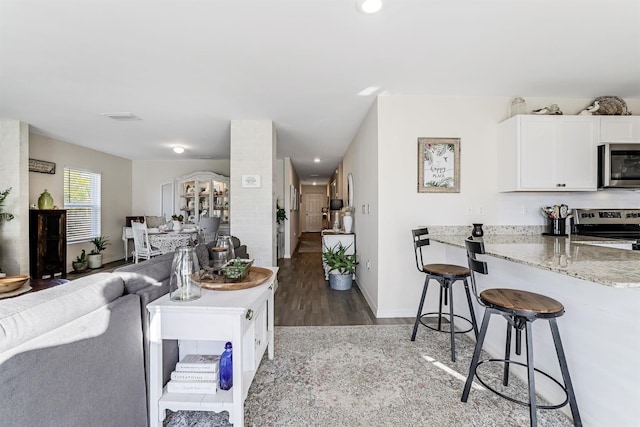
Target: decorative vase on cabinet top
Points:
(45, 201)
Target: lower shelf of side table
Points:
(222, 400)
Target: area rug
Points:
(369, 376)
(310, 246)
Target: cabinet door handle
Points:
(249, 314)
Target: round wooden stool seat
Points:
(446, 270)
(521, 301)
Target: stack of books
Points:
(195, 373)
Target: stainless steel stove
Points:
(608, 223)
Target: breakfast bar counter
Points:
(574, 256)
(599, 288)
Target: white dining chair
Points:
(143, 248)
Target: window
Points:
(82, 202)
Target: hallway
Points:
(304, 298)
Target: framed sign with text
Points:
(42, 166)
(438, 165)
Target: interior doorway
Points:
(312, 205)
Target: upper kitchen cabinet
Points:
(203, 194)
(548, 153)
(619, 129)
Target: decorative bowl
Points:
(236, 269)
(11, 283)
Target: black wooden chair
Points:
(521, 309)
(446, 275)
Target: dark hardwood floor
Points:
(304, 298)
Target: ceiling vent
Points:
(121, 116)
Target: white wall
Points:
(116, 187)
(14, 174)
(149, 175)
(291, 232)
(361, 159)
(401, 120)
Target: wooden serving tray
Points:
(256, 276)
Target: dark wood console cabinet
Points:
(48, 243)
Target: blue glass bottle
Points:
(226, 368)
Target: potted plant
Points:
(177, 222)
(95, 257)
(281, 216)
(4, 216)
(341, 266)
(81, 263)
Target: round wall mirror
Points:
(350, 190)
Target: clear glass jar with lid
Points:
(518, 106)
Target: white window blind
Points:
(82, 202)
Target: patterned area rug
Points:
(369, 376)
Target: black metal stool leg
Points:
(451, 322)
(472, 312)
(476, 354)
(532, 381)
(507, 355)
(424, 294)
(565, 372)
(442, 285)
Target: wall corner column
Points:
(253, 206)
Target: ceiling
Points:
(189, 67)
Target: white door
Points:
(313, 211)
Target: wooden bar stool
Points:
(521, 309)
(446, 275)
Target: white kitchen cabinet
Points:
(548, 153)
(203, 194)
(619, 129)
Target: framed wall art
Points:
(438, 165)
(42, 166)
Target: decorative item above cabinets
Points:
(548, 153)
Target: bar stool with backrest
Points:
(521, 309)
(446, 275)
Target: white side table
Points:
(244, 317)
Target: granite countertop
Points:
(571, 255)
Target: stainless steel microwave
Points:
(619, 166)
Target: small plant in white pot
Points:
(95, 257)
(341, 266)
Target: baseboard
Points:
(395, 313)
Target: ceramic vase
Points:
(347, 222)
(45, 201)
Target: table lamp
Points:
(335, 206)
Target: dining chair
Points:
(209, 228)
(143, 248)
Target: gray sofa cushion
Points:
(157, 269)
(87, 372)
(31, 315)
(150, 280)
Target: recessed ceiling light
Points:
(369, 6)
(317, 160)
(121, 116)
(178, 150)
(314, 183)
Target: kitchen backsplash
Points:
(488, 229)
